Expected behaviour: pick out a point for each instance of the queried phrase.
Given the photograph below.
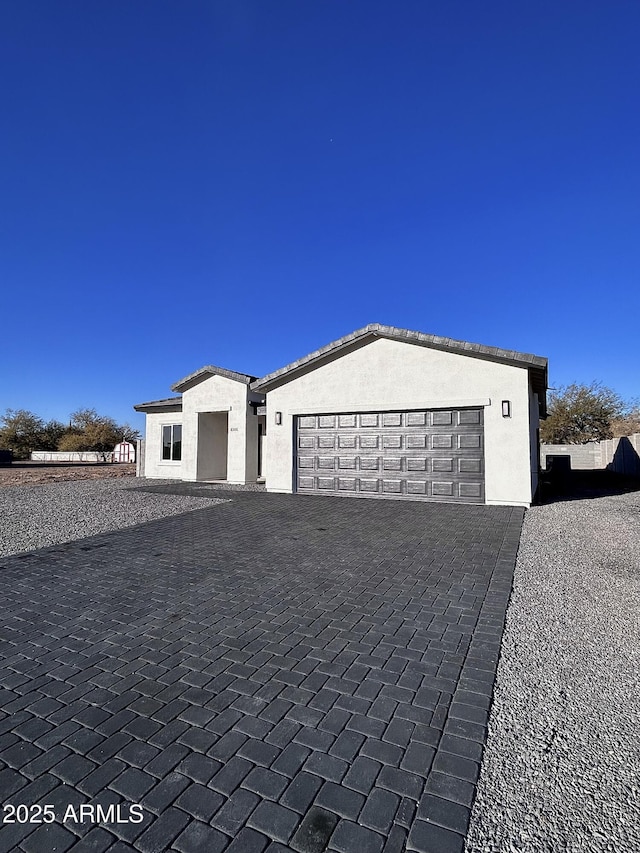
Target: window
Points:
(172, 442)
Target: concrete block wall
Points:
(71, 456)
(140, 454)
(621, 455)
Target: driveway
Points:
(272, 673)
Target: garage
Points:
(390, 413)
(429, 454)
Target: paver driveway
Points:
(273, 673)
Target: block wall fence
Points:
(621, 455)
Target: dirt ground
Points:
(29, 473)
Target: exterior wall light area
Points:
(278, 418)
(506, 408)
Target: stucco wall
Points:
(388, 374)
(534, 438)
(154, 465)
(218, 394)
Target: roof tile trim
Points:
(212, 370)
(436, 341)
(169, 402)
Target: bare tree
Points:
(581, 413)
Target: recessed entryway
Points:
(213, 430)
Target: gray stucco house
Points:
(383, 412)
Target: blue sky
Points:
(238, 182)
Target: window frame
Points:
(174, 443)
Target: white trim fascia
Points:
(387, 406)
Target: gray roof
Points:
(174, 404)
(211, 370)
(536, 364)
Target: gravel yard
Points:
(40, 515)
(561, 769)
(30, 473)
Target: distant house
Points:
(383, 412)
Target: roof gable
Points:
(537, 365)
(211, 370)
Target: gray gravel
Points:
(40, 515)
(562, 765)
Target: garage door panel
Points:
(470, 490)
(444, 441)
(326, 483)
(347, 421)
(347, 441)
(369, 442)
(442, 465)
(469, 466)
(417, 441)
(327, 422)
(441, 419)
(443, 489)
(426, 455)
(326, 463)
(369, 463)
(415, 419)
(326, 442)
(392, 464)
(391, 419)
(369, 421)
(347, 484)
(392, 442)
(469, 440)
(346, 463)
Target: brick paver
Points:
(272, 673)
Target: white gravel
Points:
(48, 514)
(561, 770)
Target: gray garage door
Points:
(425, 455)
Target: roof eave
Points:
(171, 404)
(291, 371)
(211, 370)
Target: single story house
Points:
(383, 412)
